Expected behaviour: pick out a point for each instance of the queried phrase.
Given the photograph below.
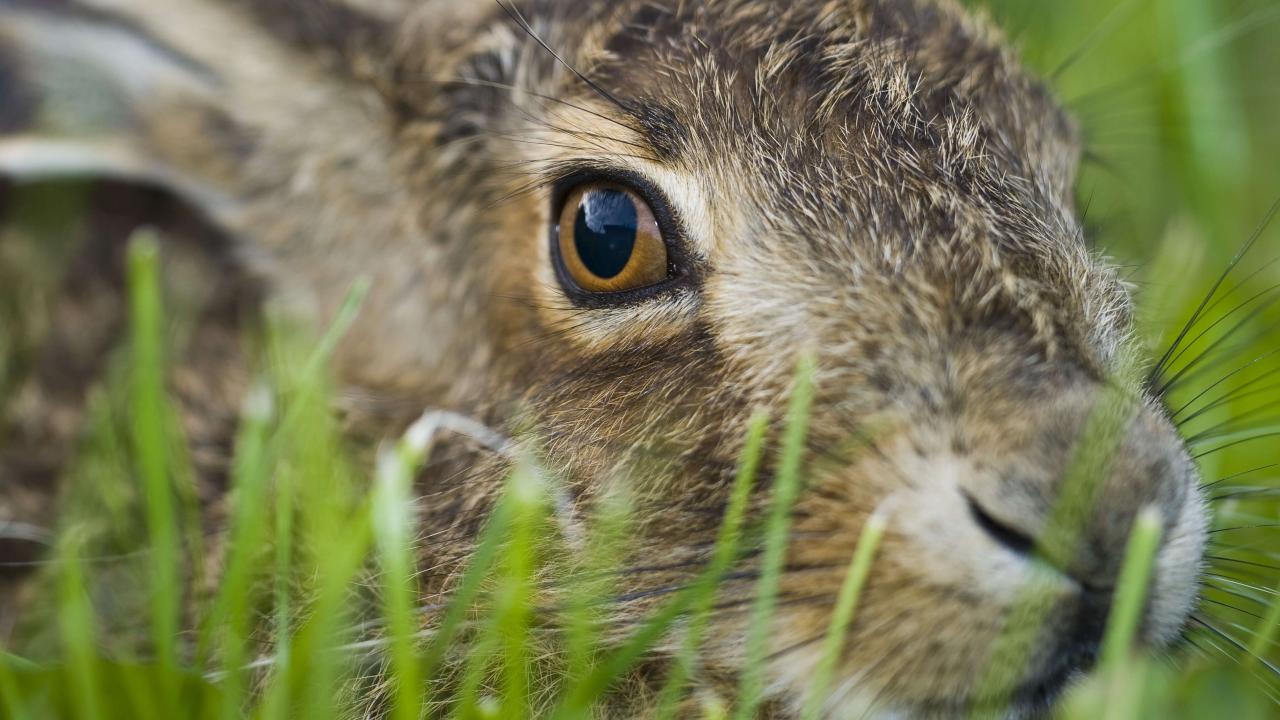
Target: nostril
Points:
(1011, 538)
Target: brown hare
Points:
(617, 227)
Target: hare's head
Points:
(693, 196)
(625, 223)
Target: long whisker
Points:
(1105, 28)
(1245, 390)
(1235, 492)
(1236, 443)
(1242, 562)
(1263, 604)
(1239, 475)
(1273, 292)
(1262, 526)
(1229, 606)
(1158, 370)
(1186, 371)
(519, 19)
(477, 82)
(1264, 592)
(1227, 353)
(1234, 643)
(1232, 427)
(1229, 376)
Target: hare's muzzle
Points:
(1007, 530)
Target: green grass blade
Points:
(282, 532)
(77, 630)
(581, 697)
(318, 362)
(1125, 679)
(311, 489)
(777, 533)
(504, 638)
(516, 592)
(151, 449)
(846, 605)
(12, 700)
(328, 620)
(309, 685)
(304, 379)
(591, 579)
(1131, 591)
(393, 531)
(393, 528)
(481, 656)
(723, 557)
(468, 588)
(230, 618)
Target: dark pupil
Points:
(605, 232)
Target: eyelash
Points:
(683, 274)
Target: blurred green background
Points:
(1179, 101)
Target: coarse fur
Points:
(874, 183)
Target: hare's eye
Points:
(609, 240)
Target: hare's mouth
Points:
(1066, 647)
(1070, 653)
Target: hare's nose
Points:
(1039, 499)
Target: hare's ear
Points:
(90, 95)
(214, 100)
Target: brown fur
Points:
(874, 182)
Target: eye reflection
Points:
(604, 233)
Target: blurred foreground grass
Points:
(1180, 105)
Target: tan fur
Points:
(875, 182)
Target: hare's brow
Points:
(662, 130)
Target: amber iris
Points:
(609, 239)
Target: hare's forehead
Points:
(740, 158)
(766, 189)
(801, 102)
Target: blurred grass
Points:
(1180, 107)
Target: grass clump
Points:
(303, 539)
